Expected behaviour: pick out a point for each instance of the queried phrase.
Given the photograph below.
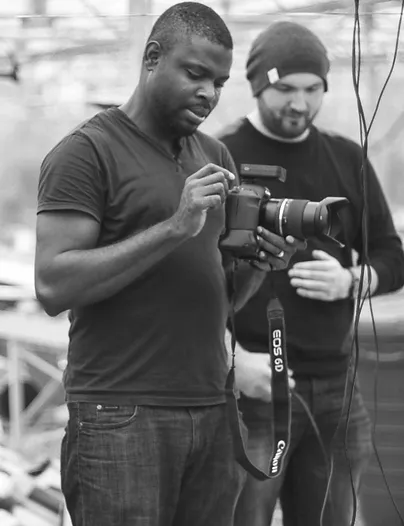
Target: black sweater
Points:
(320, 166)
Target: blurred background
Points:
(61, 61)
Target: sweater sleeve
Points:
(384, 246)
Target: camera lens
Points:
(303, 219)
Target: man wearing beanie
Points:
(287, 69)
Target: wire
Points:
(356, 77)
(364, 137)
(356, 71)
(391, 135)
(364, 131)
(327, 491)
(393, 63)
(340, 418)
(329, 466)
(244, 16)
(315, 427)
(375, 421)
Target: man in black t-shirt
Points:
(287, 68)
(130, 210)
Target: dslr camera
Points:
(250, 205)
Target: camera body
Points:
(250, 205)
(244, 205)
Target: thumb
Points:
(321, 255)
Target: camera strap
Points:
(280, 392)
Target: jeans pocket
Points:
(106, 416)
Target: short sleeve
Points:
(71, 178)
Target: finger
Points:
(218, 185)
(314, 295)
(216, 177)
(300, 244)
(215, 189)
(208, 169)
(226, 186)
(272, 243)
(303, 273)
(277, 245)
(268, 249)
(212, 201)
(310, 284)
(212, 168)
(273, 253)
(229, 176)
(272, 238)
(314, 265)
(321, 255)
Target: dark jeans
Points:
(302, 485)
(149, 466)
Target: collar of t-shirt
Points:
(255, 120)
(178, 143)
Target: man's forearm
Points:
(81, 277)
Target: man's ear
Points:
(152, 54)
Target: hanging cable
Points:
(365, 263)
(364, 132)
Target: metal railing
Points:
(22, 333)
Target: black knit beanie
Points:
(282, 49)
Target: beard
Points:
(291, 126)
(288, 124)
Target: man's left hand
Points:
(275, 251)
(322, 278)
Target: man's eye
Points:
(283, 89)
(193, 74)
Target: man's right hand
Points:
(206, 188)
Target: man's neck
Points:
(137, 111)
(255, 119)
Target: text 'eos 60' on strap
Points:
(280, 384)
(280, 394)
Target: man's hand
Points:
(206, 188)
(323, 278)
(275, 251)
(253, 374)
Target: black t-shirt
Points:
(322, 165)
(160, 341)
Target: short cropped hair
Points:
(188, 19)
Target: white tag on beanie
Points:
(273, 76)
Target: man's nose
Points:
(298, 101)
(207, 91)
